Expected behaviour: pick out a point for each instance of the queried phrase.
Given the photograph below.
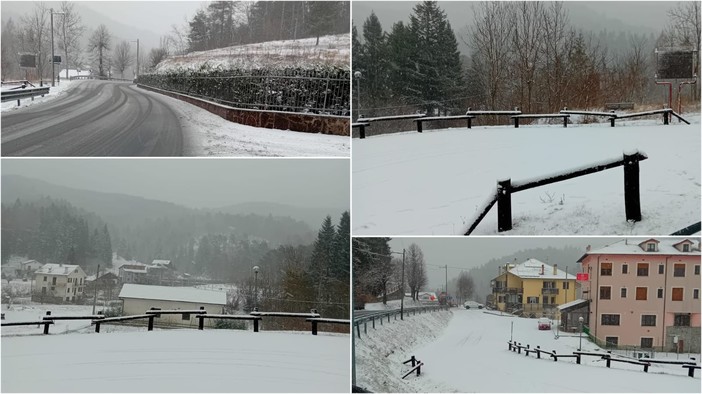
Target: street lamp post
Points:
(255, 270)
(580, 346)
(402, 283)
(357, 76)
(53, 68)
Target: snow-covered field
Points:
(210, 135)
(176, 361)
(332, 50)
(35, 312)
(433, 183)
(466, 351)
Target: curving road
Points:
(96, 118)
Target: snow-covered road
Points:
(176, 361)
(471, 355)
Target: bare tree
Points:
(123, 57)
(34, 36)
(10, 44)
(555, 52)
(99, 45)
(156, 56)
(416, 270)
(465, 285)
(527, 44)
(69, 44)
(179, 38)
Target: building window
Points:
(68, 299)
(81, 281)
(681, 320)
(651, 247)
(186, 316)
(697, 269)
(686, 247)
(605, 292)
(606, 269)
(625, 268)
(566, 285)
(549, 285)
(611, 341)
(646, 343)
(679, 270)
(43, 290)
(53, 281)
(45, 277)
(648, 320)
(623, 292)
(500, 299)
(661, 269)
(642, 269)
(660, 293)
(80, 289)
(610, 320)
(68, 290)
(532, 300)
(677, 293)
(641, 293)
(696, 294)
(69, 280)
(53, 288)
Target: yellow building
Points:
(533, 287)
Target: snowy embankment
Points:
(469, 354)
(332, 50)
(381, 352)
(210, 135)
(177, 361)
(59, 90)
(432, 183)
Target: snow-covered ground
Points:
(433, 183)
(207, 134)
(35, 312)
(466, 351)
(332, 50)
(176, 361)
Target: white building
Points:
(60, 280)
(137, 299)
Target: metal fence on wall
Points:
(303, 91)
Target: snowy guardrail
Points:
(667, 113)
(380, 316)
(503, 193)
(23, 93)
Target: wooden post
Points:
(256, 325)
(151, 322)
(504, 205)
(526, 351)
(632, 198)
(363, 131)
(577, 359)
(358, 329)
(314, 327)
(555, 356)
(373, 320)
(46, 325)
(201, 323)
(538, 352)
(609, 361)
(419, 369)
(665, 118)
(565, 121)
(97, 327)
(646, 367)
(419, 125)
(516, 122)
(469, 122)
(413, 360)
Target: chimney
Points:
(555, 269)
(587, 249)
(542, 269)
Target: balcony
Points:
(549, 290)
(508, 290)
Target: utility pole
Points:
(446, 267)
(53, 68)
(95, 288)
(402, 288)
(65, 45)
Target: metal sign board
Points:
(28, 60)
(582, 277)
(57, 59)
(674, 63)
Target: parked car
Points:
(544, 323)
(473, 305)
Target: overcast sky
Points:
(200, 183)
(472, 252)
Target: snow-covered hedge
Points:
(323, 90)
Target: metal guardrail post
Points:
(46, 326)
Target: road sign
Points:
(672, 63)
(28, 60)
(57, 59)
(582, 277)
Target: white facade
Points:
(60, 280)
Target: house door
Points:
(681, 345)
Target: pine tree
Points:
(402, 64)
(322, 257)
(372, 63)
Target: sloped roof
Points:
(57, 269)
(666, 246)
(168, 293)
(531, 269)
(572, 304)
(165, 263)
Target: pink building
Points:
(645, 293)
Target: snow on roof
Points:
(532, 269)
(168, 293)
(161, 262)
(571, 304)
(632, 246)
(57, 269)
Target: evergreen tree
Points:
(198, 38)
(322, 257)
(402, 65)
